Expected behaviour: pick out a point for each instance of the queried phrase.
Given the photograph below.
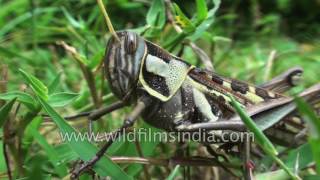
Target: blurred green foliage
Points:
(237, 35)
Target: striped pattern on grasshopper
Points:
(179, 93)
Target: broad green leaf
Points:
(28, 138)
(61, 99)
(201, 28)
(156, 19)
(36, 170)
(285, 168)
(85, 150)
(189, 28)
(38, 87)
(305, 156)
(174, 173)
(3, 165)
(202, 11)
(22, 97)
(182, 19)
(156, 15)
(173, 42)
(54, 84)
(66, 154)
(53, 155)
(311, 177)
(315, 151)
(5, 110)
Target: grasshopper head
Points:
(122, 62)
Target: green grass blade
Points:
(310, 116)
(202, 10)
(72, 21)
(314, 123)
(315, 151)
(104, 167)
(174, 173)
(259, 136)
(261, 139)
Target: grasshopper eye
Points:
(130, 43)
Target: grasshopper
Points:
(171, 94)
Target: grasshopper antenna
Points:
(108, 21)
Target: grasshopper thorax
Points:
(122, 62)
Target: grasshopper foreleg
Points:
(128, 122)
(96, 114)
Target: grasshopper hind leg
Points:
(284, 81)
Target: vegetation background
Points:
(41, 69)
